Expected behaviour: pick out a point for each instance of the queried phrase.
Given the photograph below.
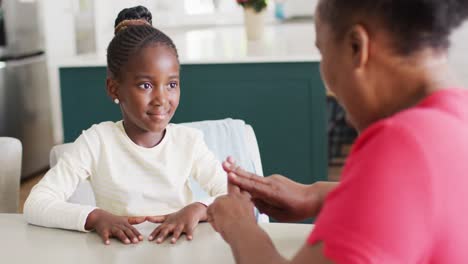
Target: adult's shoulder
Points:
(394, 132)
(388, 156)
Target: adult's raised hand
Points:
(278, 196)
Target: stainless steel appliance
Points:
(25, 103)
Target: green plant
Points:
(257, 5)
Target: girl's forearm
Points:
(201, 210)
(92, 218)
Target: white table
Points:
(24, 243)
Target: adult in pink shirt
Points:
(402, 198)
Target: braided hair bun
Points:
(133, 16)
(133, 31)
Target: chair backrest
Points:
(223, 137)
(10, 174)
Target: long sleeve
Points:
(208, 172)
(47, 203)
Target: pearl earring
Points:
(116, 101)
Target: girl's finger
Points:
(228, 166)
(105, 235)
(136, 232)
(156, 219)
(136, 220)
(189, 231)
(177, 232)
(118, 233)
(164, 233)
(155, 233)
(231, 160)
(133, 238)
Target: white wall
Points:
(458, 56)
(167, 14)
(59, 42)
(294, 8)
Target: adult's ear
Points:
(358, 41)
(112, 88)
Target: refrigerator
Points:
(25, 101)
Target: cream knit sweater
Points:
(127, 179)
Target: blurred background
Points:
(52, 61)
(37, 36)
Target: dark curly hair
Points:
(136, 34)
(414, 24)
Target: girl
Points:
(138, 167)
(402, 190)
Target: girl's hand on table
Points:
(181, 222)
(108, 225)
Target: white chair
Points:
(11, 152)
(223, 137)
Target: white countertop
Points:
(289, 42)
(27, 244)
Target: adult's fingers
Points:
(176, 233)
(232, 188)
(270, 210)
(213, 224)
(245, 194)
(255, 185)
(263, 207)
(238, 170)
(156, 219)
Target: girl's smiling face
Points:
(148, 88)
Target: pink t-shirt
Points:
(403, 197)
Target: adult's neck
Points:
(411, 80)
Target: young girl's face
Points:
(148, 88)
